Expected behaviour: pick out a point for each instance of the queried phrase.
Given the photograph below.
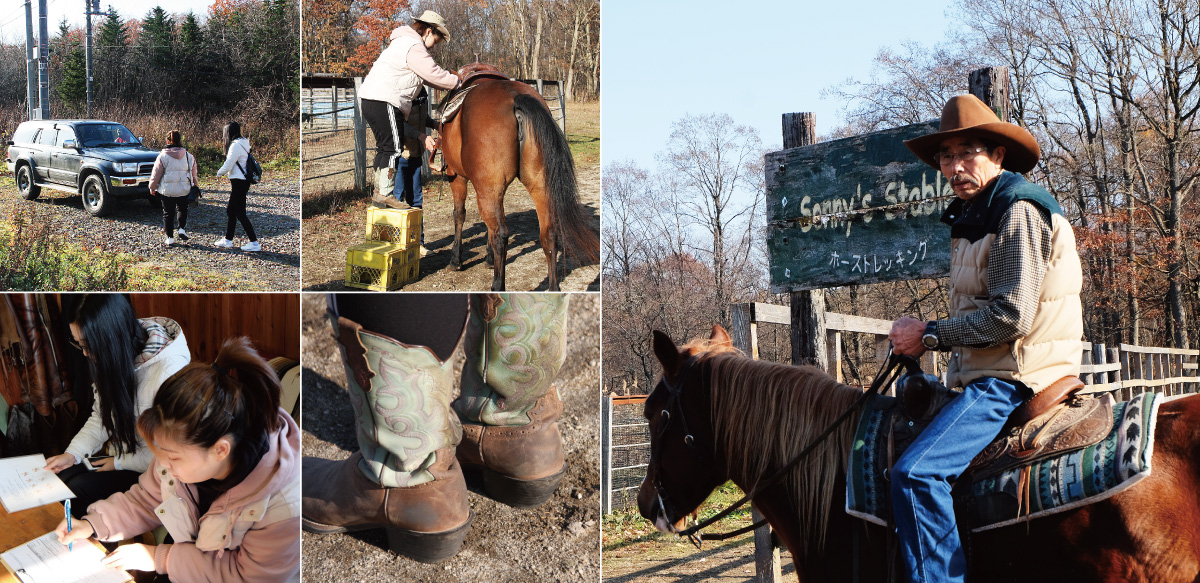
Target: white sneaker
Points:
(224, 243)
(252, 246)
(181, 234)
(169, 241)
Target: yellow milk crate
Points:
(380, 266)
(402, 227)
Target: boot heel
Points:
(428, 547)
(521, 493)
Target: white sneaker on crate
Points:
(223, 243)
(169, 241)
(252, 246)
(181, 235)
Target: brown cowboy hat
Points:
(966, 115)
(436, 21)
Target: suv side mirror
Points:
(70, 144)
(12, 143)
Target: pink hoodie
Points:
(251, 532)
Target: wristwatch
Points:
(930, 339)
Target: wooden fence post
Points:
(360, 142)
(808, 307)
(990, 85)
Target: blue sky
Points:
(12, 18)
(752, 60)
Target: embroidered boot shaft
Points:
(515, 346)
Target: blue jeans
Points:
(921, 503)
(408, 184)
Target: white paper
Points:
(45, 560)
(24, 484)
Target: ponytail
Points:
(237, 395)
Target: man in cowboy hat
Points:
(1015, 325)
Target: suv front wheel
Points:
(26, 186)
(96, 200)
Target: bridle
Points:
(887, 374)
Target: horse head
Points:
(681, 473)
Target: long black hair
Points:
(231, 132)
(114, 339)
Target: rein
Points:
(886, 375)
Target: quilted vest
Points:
(1053, 348)
(390, 78)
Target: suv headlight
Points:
(126, 166)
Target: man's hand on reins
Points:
(906, 336)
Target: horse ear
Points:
(720, 336)
(665, 350)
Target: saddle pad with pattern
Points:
(1050, 485)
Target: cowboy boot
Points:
(385, 184)
(515, 346)
(405, 478)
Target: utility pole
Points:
(91, 7)
(30, 67)
(43, 62)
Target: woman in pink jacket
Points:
(387, 94)
(225, 453)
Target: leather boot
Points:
(385, 182)
(405, 478)
(515, 346)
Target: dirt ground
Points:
(559, 541)
(658, 559)
(332, 223)
(135, 228)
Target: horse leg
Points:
(541, 202)
(458, 186)
(491, 211)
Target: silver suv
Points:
(100, 160)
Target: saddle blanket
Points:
(1052, 485)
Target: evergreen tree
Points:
(71, 87)
(108, 58)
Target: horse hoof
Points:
(453, 267)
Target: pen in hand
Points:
(67, 509)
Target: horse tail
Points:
(575, 233)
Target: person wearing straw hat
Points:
(1015, 325)
(387, 95)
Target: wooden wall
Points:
(271, 320)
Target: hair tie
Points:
(219, 370)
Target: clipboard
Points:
(66, 575)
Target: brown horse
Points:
(747, 418)
(504, 131)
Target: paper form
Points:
(45, 560)
(24, 484)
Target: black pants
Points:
(171, 205)
(91, 486)
(236, 211)
(387, 124)
(432, 320)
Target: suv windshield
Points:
(105, 134)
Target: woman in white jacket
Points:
(237, 153)
(171, 181)
(129, 359)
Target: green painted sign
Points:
(856, 210)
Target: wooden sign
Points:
(856, 210)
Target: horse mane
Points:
(765, 413)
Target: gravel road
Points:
(135, 227)
(559, 541)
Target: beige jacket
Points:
(397, 75)
(1053, 348)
